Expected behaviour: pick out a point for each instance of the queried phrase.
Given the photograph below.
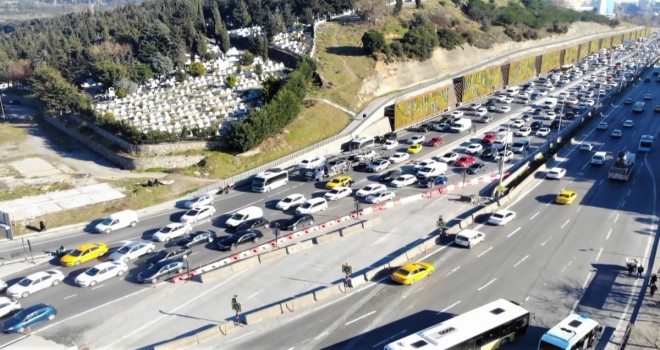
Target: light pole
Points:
(2, 108)
(506, 144)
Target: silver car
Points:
(132, 250)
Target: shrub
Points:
(373, 41)
(449, 39)
(420, 42)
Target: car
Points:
(505, 156)
(481, 112)
(503, 109)
(517, 123)
(297, 221)
(586, 146)
(507, 99)
(550, 115)
(436, 141)
(253, 224)
(474, 148)
(312, 162)
(132, 250)
(628, 101)
(238, 238)
(602, 126)
(338, 193)
(161, 269)
(28, 317)
(423, 164)
(171, 231)
(176, 252)
(389, 176)
(657, 108)
(535, 126)
(486, 119)
(565, 197)
(404, 180)
(616, 133)
(412, 272)
(205, 199)
(100, 273)
(370, 189)
(433, 181)
(313, 205)
(84, 253)
(628, 123)
(442, 126)
(339, 181)
(34, 283)
(474, 106)
(399, 157)
(378, 165)
(196, 214)
(423, 128)
(501, 217)
(391, 144)
(648, 96)
(416, 139)
(380, 197)
(543, 132)
(196, 238)
(489, 137)
(291, 201)
(555, 173)
(8, 305)
(416, 148)
(523, 132)
(476, 168)
(456, 114)
(449, 157)
(465, 161)
(488, 153)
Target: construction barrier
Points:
(301, 301)
(245, 264)
(274, 254)
(263, 314)
(294, 248)
(327, 237)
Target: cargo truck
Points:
(623, 166)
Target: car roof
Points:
(105, 264)
(135, 243)
(341, 177)
(39, 274)
(316, 199)
(89, 245)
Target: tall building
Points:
(604, 7)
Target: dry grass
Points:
(27, 191)
(11, 134)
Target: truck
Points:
(331, 168)
(461, 125)
(503, 138)
(623, 166)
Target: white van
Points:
(461, 125)
(599, 158)
(550, 103)
(116, 221)
(244, 215)
(468, 238)
(312, 206)
(513, 91)
(434, 169)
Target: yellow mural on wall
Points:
(420, 107)
(481, 83)
(617, 40)
(606, 42)
(571, 54)
(594, 46)
(584, 50)
(522, 70)
(626, 36)
(550, 61)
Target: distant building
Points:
(605, 7)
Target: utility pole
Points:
(2, 108)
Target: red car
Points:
(465, 161)
(436, 141)
(489, 137)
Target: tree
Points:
(109, 73)
(247, 59)
(449, 39)
(197, 69)
(142, 72)
(160, 64)
(121, 93)
(274, 25)
(373, 41)
(127, 85)
(420, 42)
(370, 10)
(241, 15)
(258, 69)
(230, 81)
(418, 4)
(50, 87)
(397, 7)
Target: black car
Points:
(162, 269)
(388, 136)
(424, 128)
(538, 111)
(476, 168)
(168, 254)
(253, 224)
(232, 241)
(536, 125)
(526, 117)
(390, 175)
(488, 153)
(298, 221)
(569, 116)
(555, 124)
(433, 181)
(492, 102)
(197, 237)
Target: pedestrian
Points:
(652, 288)
(42, 226)
(654, 278)
(640, 271)
(631, 269)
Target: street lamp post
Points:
(2, 108)
(506, 143)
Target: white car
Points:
(523, 132)
(648, 96)
(338, 193)
(602, 126)
(628, 123)
(543, 132)
(524, 95)
(555, 173)
(34, 283)
(500, 97)
(449, 157)
(196, 214)
(504, 155)
(507, 99)
(172, 231)
(474, 148)
(291, 201)
(456, 114)
(590, 102)
(616, 133)
(100, 273)
(501, 217)
(517, 123)
(312, 163)
(312, 206)
(423, 164)
(8, 305)
(378, 165)
(391, 144)
(380, 197)
(132, 250)
(416, 139)
(474, 106)
(403, 181)
(370, 189)
(205, 199)
(503, 109)
(586, 146)
(481, 111)
(399, 157)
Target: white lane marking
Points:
(70, 296)
(608, 234)
(579, 208)
(253, 295)
(600, 182)
(628, 193)
(566, 223)
(388, 339)
(521, 260)
(599, 253)
(452, 271)
(194, 253)
(484, 252)
(533, 216)
(449, 307)
(241, 336)
(616, 218)
(566, 266)
(546, 241)
(487, 284)
(513, 233)
(623, 204)
(584, 166)
(291, 348)
(320, 335)
(97, 287)
(359, 318)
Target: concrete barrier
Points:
(275, 254)
(216, 274)
(413, 252)
(373, 272)
(180, 343)
(453, 230)
(465, 223)
(399, 260)
(208, 334)
(327, 292)
(226, 327)
(263, 314)
(327, 237)
(358, 280)
(245, 264)
(350, 230)
(301, 301)
(372, 222)
(300, 246)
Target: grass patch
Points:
(11, 134)
(27, 191)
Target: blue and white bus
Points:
(646, 143)
(573, 332)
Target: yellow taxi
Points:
(339, 181)
(565, 197)
(84, 253)
(415, 148)
(409, 273)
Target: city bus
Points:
(269, 180)
(361, 143)
(573, 332)
(639, 107)
(490, 326)
(646, 143)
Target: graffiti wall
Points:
(617, 40)
(627, 36)
(594, 45)
(571, 54)
(584, 51)
(522, 70)
(481, 83)
(550, 61)
(421, 107)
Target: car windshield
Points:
(287, 200)
(498, 216)
(123, 250)
(306, 205)
(427, 169)
(238, 216)
(92, 271)
(106, 221)
(166, 229)
(335, 191)
(161, 254)
(25, 282)
(76, 252)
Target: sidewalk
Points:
(645, 332)
(31, 342)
